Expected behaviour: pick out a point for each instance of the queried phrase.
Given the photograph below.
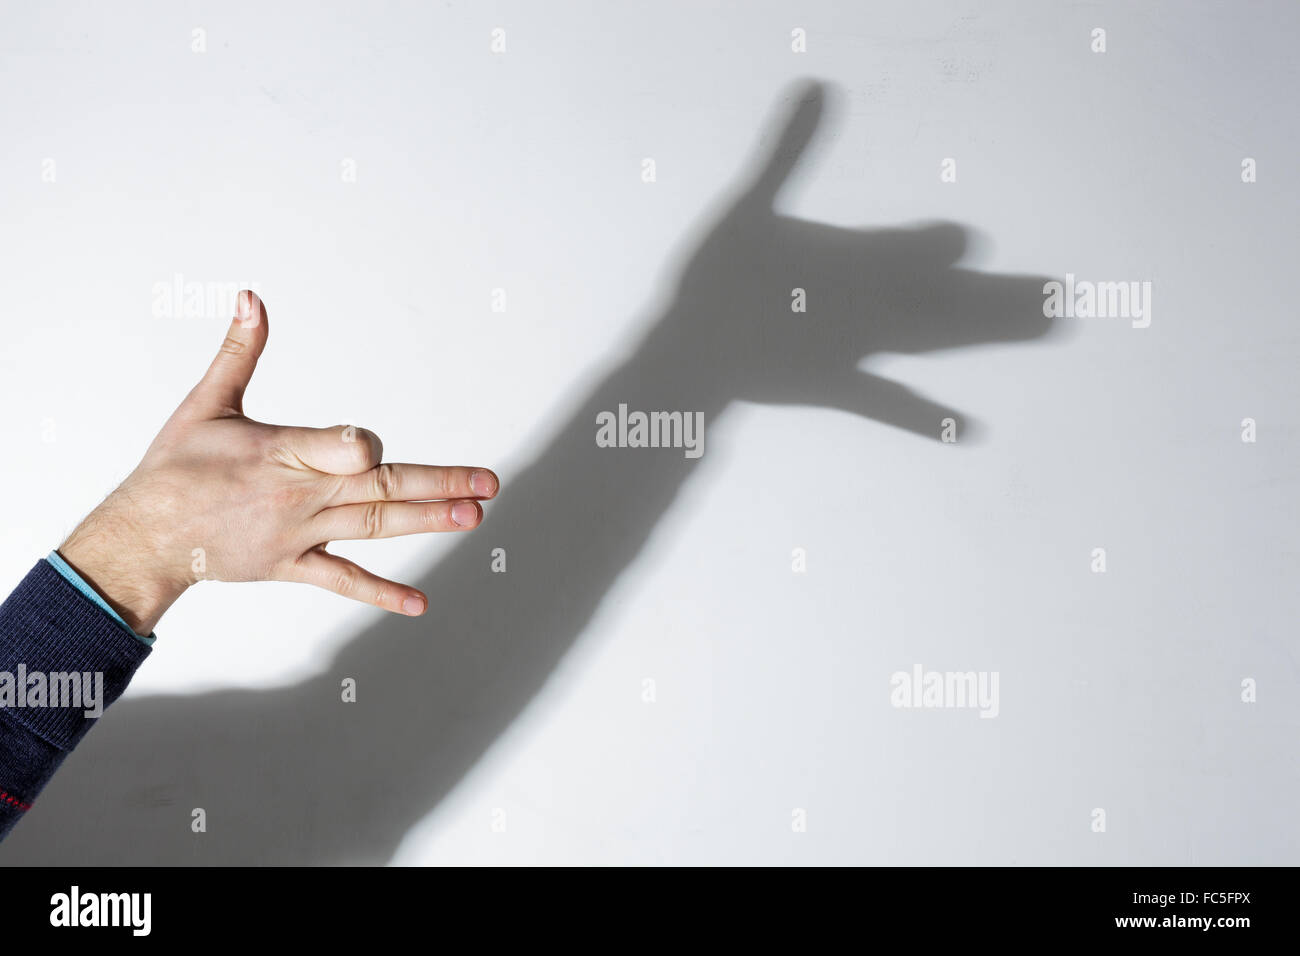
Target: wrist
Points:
(123, 568)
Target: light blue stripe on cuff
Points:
(76, 581)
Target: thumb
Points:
(221, 390)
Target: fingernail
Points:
(483, 483)
(464, 513)
(413, 606)
(248, 316)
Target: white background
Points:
(522, 170)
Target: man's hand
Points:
(222, 497)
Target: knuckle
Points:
(372, 519)
(386, 481)
(232, 346)
(295, 498)
(345, 579)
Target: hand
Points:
(219, 496)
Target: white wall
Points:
(522, 170)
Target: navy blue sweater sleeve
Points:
(62, 660)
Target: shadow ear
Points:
(809, 98)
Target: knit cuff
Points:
(62, 659)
